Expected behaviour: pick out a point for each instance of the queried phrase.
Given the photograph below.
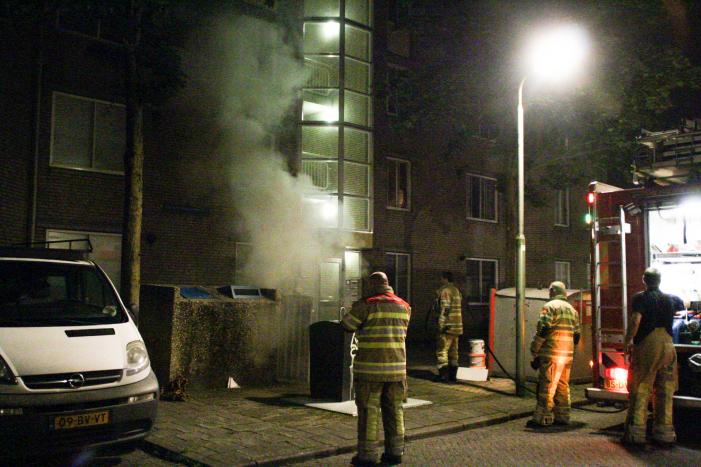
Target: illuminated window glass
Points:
(322, 71)
(358, 76)
(359, 11)
(356, 213)
(322, 37)
(320, 105)
(356, 179)
(357, 43)
(322, 8)
(320, 142)
(357, 109)
(357, 145)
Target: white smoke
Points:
(252, 81)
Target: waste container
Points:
(330, 361)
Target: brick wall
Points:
(16, 132)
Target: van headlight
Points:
(6, 375)
(137, 357)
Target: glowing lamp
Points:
(616, 374)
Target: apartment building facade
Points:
(410, 202)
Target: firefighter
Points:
(653, 365)
(380, 322)
(449, 329)
(552, 348)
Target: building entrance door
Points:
(329, 288)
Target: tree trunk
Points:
(133, 181)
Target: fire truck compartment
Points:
(665, 234)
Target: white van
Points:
(74, 371)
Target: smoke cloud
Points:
(252, 81)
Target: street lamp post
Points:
(520, 256)
(553, 55)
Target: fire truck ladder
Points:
(609, 257)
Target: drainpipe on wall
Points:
(39, 77)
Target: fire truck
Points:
(632, 229)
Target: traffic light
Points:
(591, 200)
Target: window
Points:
(38, 294)
(337, 111)
(106, 249)
(488, 130)
(88, 134)
(562, 272)
(398, 184)
(481, 276)
(562, 207)
(397, 79)
(481, 198)
(108, 27)
(398, 270)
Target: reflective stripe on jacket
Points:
(450, 318)
(380, 323)
(558, 324)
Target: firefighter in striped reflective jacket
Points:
(380, 322)
(449, 329)
(553, 348)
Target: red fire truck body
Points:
(632, 229)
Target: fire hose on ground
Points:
(584, 409)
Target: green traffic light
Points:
(587, 218)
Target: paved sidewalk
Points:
(254, 426)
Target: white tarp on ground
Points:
(347, 407)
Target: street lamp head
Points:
(558, 52)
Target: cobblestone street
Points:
(592, 440)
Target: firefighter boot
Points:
(634, 435)
(390, 459)
(443, 375)
(355, 461)
(664, 434)
(453, 373)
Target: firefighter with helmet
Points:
(380, 322)
(552, 348)
(653, 367)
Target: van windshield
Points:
(36, 294)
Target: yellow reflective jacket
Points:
(450, 318)
(380, 324)
(556, 330)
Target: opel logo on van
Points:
(76, 381)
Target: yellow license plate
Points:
(80, 420)
(615, 385)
